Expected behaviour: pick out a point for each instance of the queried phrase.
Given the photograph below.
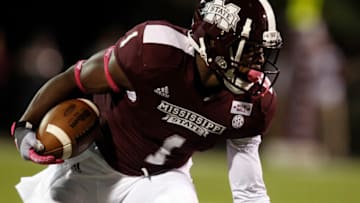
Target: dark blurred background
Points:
(320, 73)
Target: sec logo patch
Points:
(238, 121)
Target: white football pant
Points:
(87, 178)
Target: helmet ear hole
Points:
(212, 43)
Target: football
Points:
(66, 130)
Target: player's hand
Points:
(29, 146)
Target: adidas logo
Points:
(162, 91)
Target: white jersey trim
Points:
(162, 34)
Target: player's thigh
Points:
(170, 187)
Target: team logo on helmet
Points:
(221, 62)
(224, 16)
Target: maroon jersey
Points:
(167, 117)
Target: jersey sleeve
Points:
(258, 121)
(268, 109)
(151, 49)
(129, 49)
(245, 170)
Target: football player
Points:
(165, 92)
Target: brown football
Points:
(66, 129)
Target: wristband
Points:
(77, 71)
(108, 76)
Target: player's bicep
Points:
(116, 73)
(90, 76)
(100, 73)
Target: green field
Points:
(331, 183)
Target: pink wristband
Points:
(77, 71)
(109, 79)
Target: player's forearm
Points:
(245, 171)
(52, 92)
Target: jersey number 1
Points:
(159, 157)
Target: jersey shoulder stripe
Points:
(165, 35)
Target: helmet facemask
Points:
(256, 66)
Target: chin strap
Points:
(263, 81)
(200, 49)
(244, 35)
(255, 76)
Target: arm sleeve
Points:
(245, 171)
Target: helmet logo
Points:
(225, 17)
(221, 62)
